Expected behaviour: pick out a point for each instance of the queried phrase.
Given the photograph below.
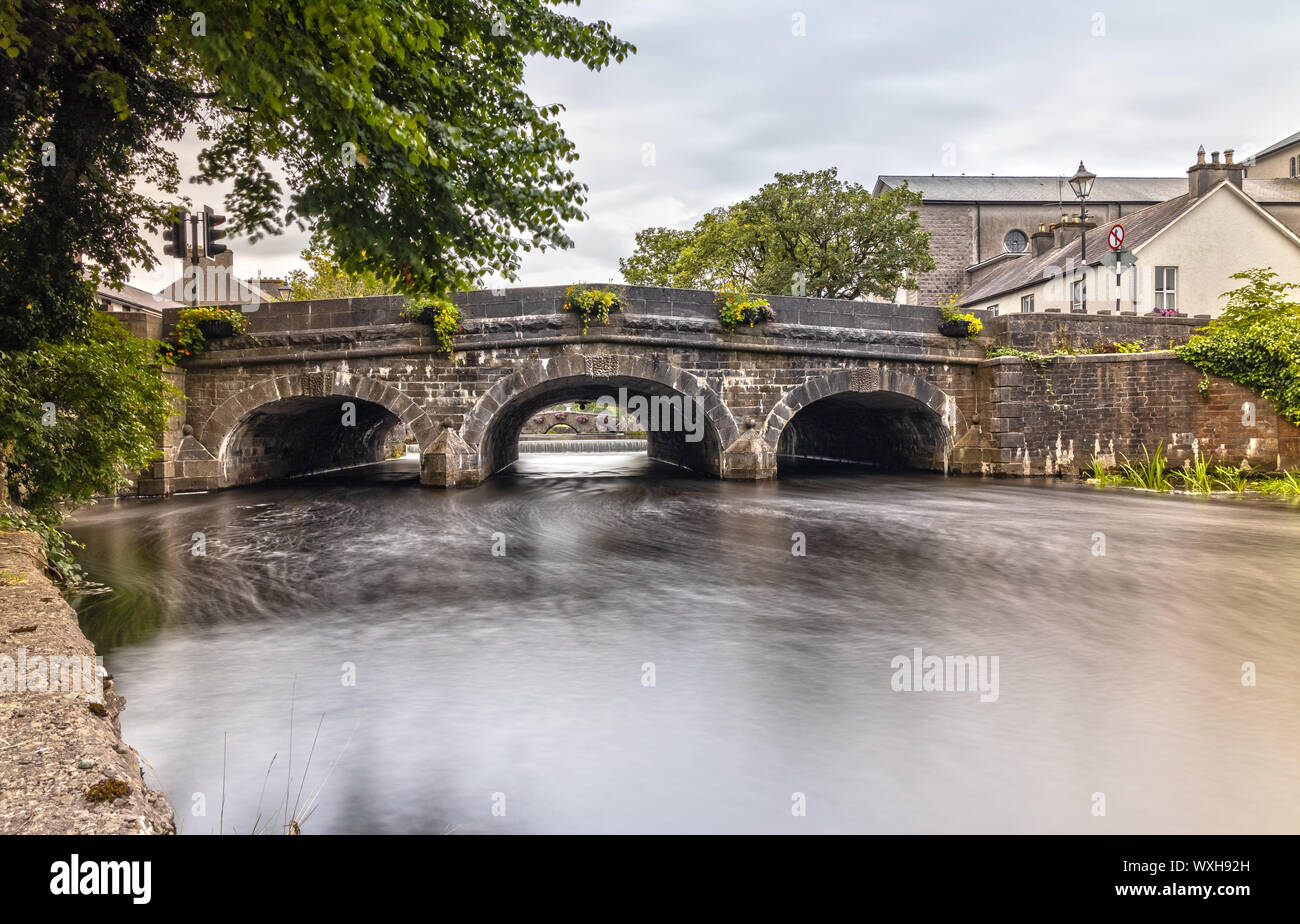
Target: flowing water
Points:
(646, 653)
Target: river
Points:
(646, 654)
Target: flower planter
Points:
(954, 328)
(215, 329)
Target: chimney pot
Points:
(1227, 156)
(1200, 155)
(1214, 157)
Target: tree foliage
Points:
(399, 127)
(324, 278)
(807, 233)
(79, 415)
(1256, 341)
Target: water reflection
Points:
(522, 674)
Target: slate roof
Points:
(1139, 227)
(1037, 189)
(1272, 191)
(1049, 190)
(1284, 143)
(138, 298)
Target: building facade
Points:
(1186, 249)
(976, 222)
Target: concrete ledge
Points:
(57, 745)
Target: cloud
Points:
(728, 94)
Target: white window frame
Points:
(1078, 291)
(1027, 304)
(1166, 294)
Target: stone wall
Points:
(1044, 333)
(1055, 419)
(63, 739)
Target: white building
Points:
(1187, 249)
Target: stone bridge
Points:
(318, 385)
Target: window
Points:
(1166, 288)
(1293, 166)
(1017, 241)
(1026, 304)
(993, 309)
(1078, 294)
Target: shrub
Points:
(737, 306)
(592, 303)
(1119, 346)
(441, 314)
(190, 339)
(1255, 342)
(76, 418)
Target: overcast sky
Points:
(720, 95)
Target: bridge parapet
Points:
(548, 301)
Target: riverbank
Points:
(64, 768)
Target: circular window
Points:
(1016, 241)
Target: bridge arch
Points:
(868, 414)
(273, 427)
(492, 427)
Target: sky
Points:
(721, 94)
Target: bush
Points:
(1119, 346)
(1255, 342)
(76, 419)
(439, 313)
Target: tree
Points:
(401, 127)
(806, 233)
(76, 416)
(324, 278)
(657, 252)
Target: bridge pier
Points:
(749, 457)
(450, 462)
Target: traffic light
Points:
(175, 236)
(211, 223)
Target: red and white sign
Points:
(1116, 238)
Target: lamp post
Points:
(1081, 183)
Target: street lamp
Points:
(1081, 183)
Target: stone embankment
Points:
(64, 768)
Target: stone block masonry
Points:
(60, 744)
(1054, 419)
(319, 385)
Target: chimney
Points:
(1068, 229)
(1202, 177)
(1041, 241)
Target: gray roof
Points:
(1139, 228)
(1037, 189)
(1284, 143)
(1043, 189)
(137, 298)
(1272, 191)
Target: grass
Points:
(1149, 473)
(1286, 484)
(297, 813)
(1196, 477)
